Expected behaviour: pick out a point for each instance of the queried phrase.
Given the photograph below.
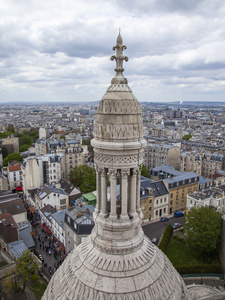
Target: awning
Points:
(19, 188)
(32, 210)
(46, 228)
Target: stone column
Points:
(138, 208)
(98, 187)
(133, 195)
(113, 213)
(124, 181)
(104, 211)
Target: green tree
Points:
(187, 137)
(4, 135)
(84, 178)
(24, 148)
(25, 140)
(11, 157)
(34, 135)
(144, 171)
(202, 229)
(26, 267)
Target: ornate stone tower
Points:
(117, 261)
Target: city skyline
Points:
(60, 51)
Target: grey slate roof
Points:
(183, 176)
(60, 216)
(47, 190)
(166, 169)
(26, 237)
(158, 187)
(203, 180)
(17, 248)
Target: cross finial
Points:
(119, 58)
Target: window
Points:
(171, 202)
(156, 212)
(164, 210)
(75, 225)
(63, 201)
(177, 197)
(157, 201)
(164, 199)
(171, 196)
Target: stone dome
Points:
(119, 116)
(89, 273)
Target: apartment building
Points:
(178, 187)
(212, 163)
(146, 199)
(213, 197)
(75, 153)
(78, 225)
(191, 162)
(56, 197)
(14, 173)
(161, 154)
(40, 170)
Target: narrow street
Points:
(48, 250)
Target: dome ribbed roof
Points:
(89, 273)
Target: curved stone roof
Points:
(119, 116)
(89, 273)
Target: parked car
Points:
(164, 219)
(155, 240)
(176, 225)
(178, 214)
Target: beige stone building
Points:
(11, 144)
(191, 162)
(161, 154)
(178, 187)
(212, 163)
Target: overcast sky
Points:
(59, 50)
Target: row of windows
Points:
(157, 211)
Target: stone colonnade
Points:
(128, 203)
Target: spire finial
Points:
(119, 57)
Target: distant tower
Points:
(117, 262)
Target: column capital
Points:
(125, 172)
(135, 171)
(112, 172)
(102, 170)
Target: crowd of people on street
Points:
(47, 248)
